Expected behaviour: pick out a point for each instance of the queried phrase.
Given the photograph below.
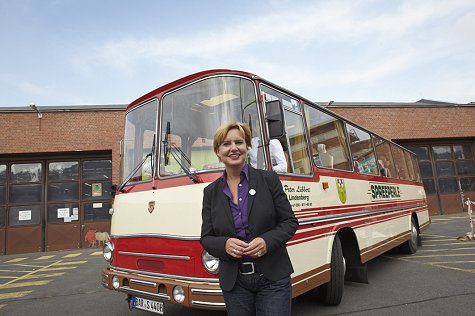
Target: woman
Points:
(247, 220)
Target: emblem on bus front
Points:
(151, 206)
(340, 185)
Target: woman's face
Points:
(233, 149)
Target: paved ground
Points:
(438, 280)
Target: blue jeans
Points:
(254, 294)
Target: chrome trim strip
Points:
(320, 219)
(144, 283)
(151, 255)
(177, 237)
(208, 304)
(128, 290)
(167, 276)
(206, 292)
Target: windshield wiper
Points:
(174, 150)
(132, 173)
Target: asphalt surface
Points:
(438, 280)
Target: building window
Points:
(446, 168)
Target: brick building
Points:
(57, 165)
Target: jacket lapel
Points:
(223, 202)
(252, 186)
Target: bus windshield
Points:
(191, 115)
(139, 142)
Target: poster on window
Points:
(63, 212)
(96, 189)
(24, 215)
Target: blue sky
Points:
(79, 52)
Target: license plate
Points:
(148, 305)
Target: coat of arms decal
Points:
(340, 185)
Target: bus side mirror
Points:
(113, 190)
(275, 119)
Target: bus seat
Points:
(325, 158)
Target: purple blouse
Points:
(239, 210)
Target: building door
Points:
(63, 225)
(78, 203)
(24, 208)
(96, 182)
(448, 173)
(3, 201)
(55, 204)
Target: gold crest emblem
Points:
(151, 206)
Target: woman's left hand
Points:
(256, 248)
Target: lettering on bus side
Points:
(298, 196)
(384, 191)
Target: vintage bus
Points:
(355, 194)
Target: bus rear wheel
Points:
(410, 246)
(331, 293)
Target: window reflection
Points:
(30, 172)
(97, 169)
(3, 174)
(442, 152)
(65, 170)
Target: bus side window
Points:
(328, 139)
(362, 151)
(400, 162)
(385, 158)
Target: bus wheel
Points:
(410, 246)
(331, 293)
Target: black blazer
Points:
(270, 217)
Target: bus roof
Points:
(184, 80)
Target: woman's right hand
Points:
(234, 247)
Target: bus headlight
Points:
(107, 251)
(178, 294)
(210, 263)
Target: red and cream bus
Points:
(355, 194)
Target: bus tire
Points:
(331, 293)
(410, 246)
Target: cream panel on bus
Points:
(310, 255)
(174, 212)
(370, 235)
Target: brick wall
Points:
(63, 131)
(404, 123)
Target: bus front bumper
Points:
(197, 294)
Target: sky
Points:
(101, 52)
